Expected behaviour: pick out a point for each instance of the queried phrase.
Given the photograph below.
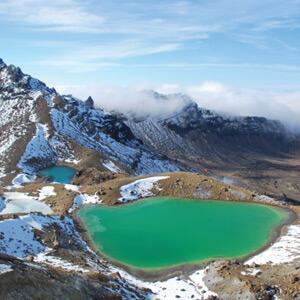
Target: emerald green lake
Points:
(167, 232)
(61, 174)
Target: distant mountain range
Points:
(40, 127)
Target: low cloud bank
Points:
(132, 100)
(283, 106)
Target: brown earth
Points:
(224, 278)
(91, 176)
(91, 159)
(179, 184)
(277, 177)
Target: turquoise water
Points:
(165, 232)
(61, 174)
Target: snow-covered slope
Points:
(104, 133)
(39, 128)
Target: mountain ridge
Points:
(40, 127)
(50, 121)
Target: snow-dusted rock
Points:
(139, 188)
(83, 199)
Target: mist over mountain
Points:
(142, 101)
(132, 100)
(142, 129)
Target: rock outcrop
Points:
(89, 102)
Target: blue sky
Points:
(242, 43)
(240, 57)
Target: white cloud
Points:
(283, 106)
(100, 18)
(164, 18)
(96, 57)
(129, 99)
(90, 58)
(275, 24)
(125, 48)
(54, 15)
(119, 29)
(263, 41)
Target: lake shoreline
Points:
(164, 273)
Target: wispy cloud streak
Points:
(54, 15)
(280, 67)
(88, 35)
(91, 58)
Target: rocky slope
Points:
(195, 135)
(47, 255)
(27, 280)
(258, 153)
(39, 127)
(44, 252)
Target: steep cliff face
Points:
(195, 136)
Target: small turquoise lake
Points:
(166, 232)
(61, 174)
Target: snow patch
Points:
(189, 287)
(38, 149)
(251, 272)
(285, 250)
(108, 164)
(21, 179)
(34, 266)
(45, 129)
(63, 149)
(72, 187)
(139, 188)
(2, 171)
(82, 199)
(5, 268)
(46, 191)
(73, 161)
(57, 262)
(36, 95)
(17, 236)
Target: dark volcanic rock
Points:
(89, 102)
(33, 282)
(196, 135)
(92, 176)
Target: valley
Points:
(62, 157)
